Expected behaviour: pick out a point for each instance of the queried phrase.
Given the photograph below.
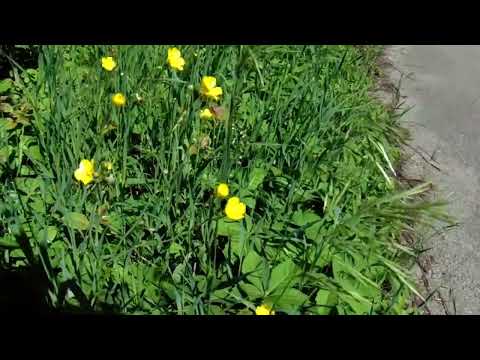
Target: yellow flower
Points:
(119, 99)
(264, 310)
(175, 59)
(222, 191)
(85, 172)
(206, 114)
(108, 63)
(210, 89)
(235, 209)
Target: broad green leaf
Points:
(326, 299)
(8, 123)
(215, 310)
(5, 85)
(358, 307)
(256, 178)
(228, 228)
(309, 221)
(249, 201)
(178, 273)
(4, 154)
(175, 249)
(276, 171)
(339, 266)
(201, 282)
(322, 297)
(252, 291)
(169, 289)
(28, 185)
(245, 311)
(281, 275)
(33, 152)
(9, 241)
(114, 222)
(76, 221)
(355, 283)
(6, 108)
(235, 231)
(251, 262)
(220, 294)
(37, 205)
(48, 234)
(290, 300)
(17, 253)
(254, 267)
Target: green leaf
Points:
(322, 297)
(355, 283)
(28, 186)
(76, 221)
(6, 108)
(37, 205)
(215, 310)
(235, 232)
(290, 300)
(175, 249)
(225, 293)
(251, 290)
(8, 123)
(326, 300)
(249, 201)
(114, 222)
(256, 178)
(282, 275)
(9, 241)
(276, 171)
(178, 273)
(4, 154)
(48, 234)
(251, 262)
(245, 311)
(169, 289)
(228, 228)
(309, 221)
(358, 307)
(33, 152)
(5, 85)
(254, 267)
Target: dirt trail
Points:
(442, 83)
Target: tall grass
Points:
(300, 142)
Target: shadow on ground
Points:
(23, 289)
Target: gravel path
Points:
(442, 83)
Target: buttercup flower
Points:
(206, 114)
(210, 89)
(235, 209)
(119, 99)
(85, 172)
(222, 191)
(108, 63)
(264, 310)
(175, 59)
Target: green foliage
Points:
(300, 141)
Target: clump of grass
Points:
(294, 135)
